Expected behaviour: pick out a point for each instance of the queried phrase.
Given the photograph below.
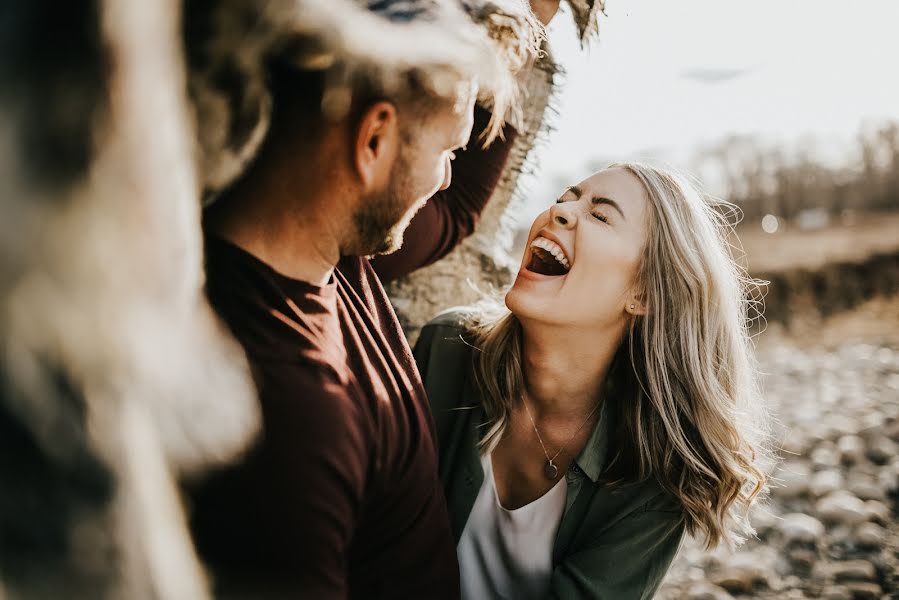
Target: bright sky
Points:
(668, 76)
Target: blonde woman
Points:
(609, 409)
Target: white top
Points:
(508, 553)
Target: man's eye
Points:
(602, 218)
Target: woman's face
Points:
(583, 254)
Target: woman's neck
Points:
(565, 370)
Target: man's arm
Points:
(452, 214)
(315, 457)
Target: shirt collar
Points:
(593, 458)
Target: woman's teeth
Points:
(554, 249)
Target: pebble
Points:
(888, 478)
(734, 581)
(741, 574)
(795, 443)
(870, 535)
(802, 559)
(864, 591)
(852, 449)
(801, 528)
(879, 512)
(764, 521)
(842, 507)
(841, 535)
(836, 592)
(792, 480)
(847, 570)
(865, 488)
(826, 456)
(881, 450)
(707, 591)
(825, 482)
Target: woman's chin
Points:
(525, 302)
(513, 299)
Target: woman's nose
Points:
(563, 215)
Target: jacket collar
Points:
(593, 458)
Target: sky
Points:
(667, 78)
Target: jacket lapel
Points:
(461, 469)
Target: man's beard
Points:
(384, 215)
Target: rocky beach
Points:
(829, 528)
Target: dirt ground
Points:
(840, 242)
(874, 322)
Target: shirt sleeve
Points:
(452, 214)
(627, 561)
(316, 454)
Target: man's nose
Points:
(447, 174)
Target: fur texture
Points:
(229, 43)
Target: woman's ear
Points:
(636, 305)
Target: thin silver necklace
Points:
(550, 470)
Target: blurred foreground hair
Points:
(396, 50)
(690, 414)
(117, 380)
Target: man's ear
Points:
(376, 143)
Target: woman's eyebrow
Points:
(610, 202)
(577, 191)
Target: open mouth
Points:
(547, 258)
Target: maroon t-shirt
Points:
(339, 497)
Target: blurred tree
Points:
(771, 180)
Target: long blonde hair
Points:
(690, 411)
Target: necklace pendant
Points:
(550, 470)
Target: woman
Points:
(609, 409)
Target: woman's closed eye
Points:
(597, 216)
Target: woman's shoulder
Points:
(444, 354)
(456, 317)
(447, 333)
(637, 502)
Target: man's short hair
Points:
(309, 100)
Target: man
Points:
(340, 495)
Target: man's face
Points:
(422, 167)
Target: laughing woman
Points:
(610, 408)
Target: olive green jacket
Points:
(610, 545)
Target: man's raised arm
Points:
(452, 214)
